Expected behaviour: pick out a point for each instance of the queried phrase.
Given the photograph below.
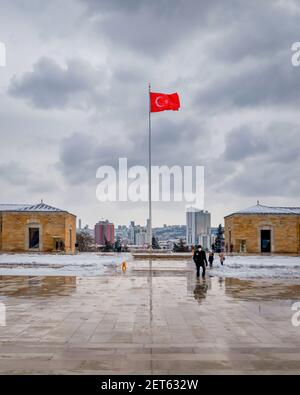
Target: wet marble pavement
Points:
(156, 318)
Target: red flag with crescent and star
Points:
(164, 102)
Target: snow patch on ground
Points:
(258, 267)
(85, 264)
(92, 264)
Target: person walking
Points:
(200, 260)
(211, 259)
(222, 258)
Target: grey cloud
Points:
(258, 30)
(14, 173)
(149, 27)
(260, 179)
(219, 56)
(81, 154)
(273, 83)
(49, 85)
(174, 143)
(244, 29)
(266, 161)
(275, 143)
(17, 176)
(242, 143)
(119, 5)
(253, 39)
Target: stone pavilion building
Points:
(36, 228)
(263, 229)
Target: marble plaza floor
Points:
(156, 318)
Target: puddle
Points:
(176, 276)
(28, 286)
(259, 289)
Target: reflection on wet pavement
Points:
(155, 318)
(21, 286)
(264, 290)
(200, 290)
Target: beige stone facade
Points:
(23, 230)
(263, 229)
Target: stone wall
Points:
(70, 224)
(285, 231)
(15, 230)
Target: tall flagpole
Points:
(150, 176)
(150, 226)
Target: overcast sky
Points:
(74, 96)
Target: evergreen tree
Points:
(118, 245)
(155, 244)
(84, 241)
(180, 247)
(219, 239)
(109, 247)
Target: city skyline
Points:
(85, 224)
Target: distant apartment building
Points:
(133, 234)
(198, 227)
(122, 233)
(36, 228)
(104, 232)
(141, 236)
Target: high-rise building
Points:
(131, 233)
(198, 227)
(122, 233)
(141, 236)
(104, 231)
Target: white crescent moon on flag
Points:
(157, 101)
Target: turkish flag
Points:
(164, 102)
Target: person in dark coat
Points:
(200, 260)
(211, 258)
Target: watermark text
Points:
(296, 54)
(2, 314)
(296, 315)
(176, 183)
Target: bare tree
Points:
(84, 241)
